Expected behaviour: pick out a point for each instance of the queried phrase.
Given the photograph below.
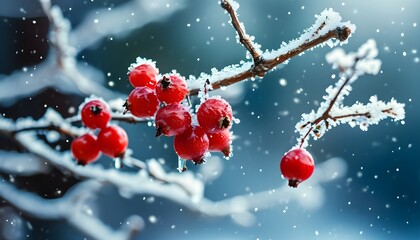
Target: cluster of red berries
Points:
(112, 140)
(162, 99)
(297, 165)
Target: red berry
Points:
(171, 89)
(142, 102)
(297, 165)
(143, 75)
(113, 141)
(214, 114)
(220, 142)
(85, 149)
(172, 119)
(192, 144)
(96, 114)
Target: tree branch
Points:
(321, 32)
(243, 37)
(332, 112)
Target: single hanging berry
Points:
(96, 114)
(214, 114)
(297, 165)
(142, 102)
(192, 144)
(220, 142)
(144, 75)
(85, 149)
(113, 141)
(172, 119)
(172, 89)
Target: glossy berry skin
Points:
(192, 144)
(96, 114)
(85, 149)
(171, 89)
(143, 75)
(113, 141)
(172, 119)
(297, 165)
(142, 102)
(214, 115)
(220, 142)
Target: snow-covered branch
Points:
(72, 207)
(332, 112)
(61, 70)
(120, 20)
(186, 189)
(328, 29)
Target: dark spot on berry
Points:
(166, 82)
(81, 163)
(225, 122)
(294, 183)
(159, 131)
(96, 109)
(126, 106)
(226, 151)
(199, 160)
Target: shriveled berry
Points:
(142, 102)
(220, 142)
(214, 114)
(96, 114)
(172, 119)
(144, 75)
(171, 89)
(113, 141)
(192, 144)
(85, 149)
(297, 165)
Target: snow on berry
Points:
(172, 119)
(113, 141)
(85, 149)
(143, 75)
(95, 114)
(297, 165)
(172, 88)
(220, 142)
(142, 102)
(192, 144)
(214, 114)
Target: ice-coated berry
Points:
(113, 141)
(142, 102)
(172, 119)
(220, 142)
(214, 114)
(96, 114)
(143, 75)
(297, 165)
(85, 149)
(171, 89)
(192, 144)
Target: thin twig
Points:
(243, 37)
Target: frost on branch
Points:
(328, 29)
(73, 208)
(332, 112)
(61, 70)
(327, 21)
